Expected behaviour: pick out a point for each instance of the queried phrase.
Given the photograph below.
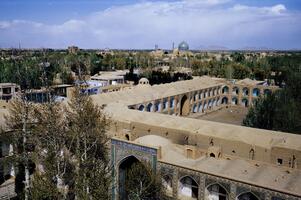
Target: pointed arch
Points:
(216, 191)
(247, 196)
(188, 187)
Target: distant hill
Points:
(213, 47)
(250, 48)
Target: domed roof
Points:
(143, 81)
(183, 46)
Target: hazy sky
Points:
(131, 24)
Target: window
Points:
(212, 155)
(127, 137)
(279, 161)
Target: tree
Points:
(281, 110)
(262, 113)
(88, 138)
(52, 153)
(143, 183)
(21, 124)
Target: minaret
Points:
(173, 46)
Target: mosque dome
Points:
(183, 46)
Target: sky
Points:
(141, 24)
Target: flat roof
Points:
(144, 93)
(7, 84)
(251, 172)
(117, 106)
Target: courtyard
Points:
(231, 115)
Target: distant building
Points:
(58, 93)
(110, 77)
(183, 46)
(8, 90)
(73, 49)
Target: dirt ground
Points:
(230, 115)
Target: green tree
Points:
(281, 110)
(20, 124)
(52, 153)
(143, 183)
(88, 126)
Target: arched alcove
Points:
(235, 91)
(225, 100)
(125, 171)
(157, 106)
(184, 110)
(141, 108)
(188, 187)
(195, 108)
(172, 102)
(212, 155)
(149, 107)
(252, 154)
(225, 90)
(245, 91)
(256, 92)
(165, 104)
(167, 183)
(245, 102)
(247, 196)
(127, 137)
(234, 101)
(200, 107)
(216, 192)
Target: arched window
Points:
(211, 142)
(225, 100)
(218, 101)
(195, 108)
(225, 90)
(167, 183)
(247, 196)
(210, 104)
(200, 107)
(127, 136)
(252, 154)
(245, 91)
(256, 92)
(165, 104)
(235, 91)
(149, 107)
(141, 108)
(195, 97)
(188, 187)
(245, 102)
(213, 102)
(157, 106)
(216, 192)
(209, 93)
(234, 101)
(172, 102)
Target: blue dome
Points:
(183, 46)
